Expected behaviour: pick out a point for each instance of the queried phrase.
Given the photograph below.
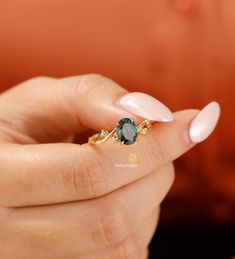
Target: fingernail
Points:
(145, 106)
(204, 123)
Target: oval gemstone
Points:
(127, 131)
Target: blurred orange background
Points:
(182, 52)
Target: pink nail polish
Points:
(204, 123)
(145, 106)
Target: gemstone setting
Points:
(127, 131)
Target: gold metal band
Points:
(104, 135)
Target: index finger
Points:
(50, 110)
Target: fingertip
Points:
(203, 125)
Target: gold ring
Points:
(126, 132)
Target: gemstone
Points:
(127, 131)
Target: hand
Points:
(63, 200)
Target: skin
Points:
(65, 200)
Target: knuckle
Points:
(84, 178)
(128, 249)
(83, 85)
(37, 80)
(115, 224)
(69, 175)
(92, 177)
(36, 83)
(93, 77)
(155, 152)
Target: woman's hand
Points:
(64, 200)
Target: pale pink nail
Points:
(204, 123)
(145, 106)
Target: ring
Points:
(126, 132)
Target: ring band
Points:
(126, 132)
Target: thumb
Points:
(46, 108)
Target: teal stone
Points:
(127, 131)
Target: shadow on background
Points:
(201, 242)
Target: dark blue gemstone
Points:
(127, 131)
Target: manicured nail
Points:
(145, 106)
(204, 123)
